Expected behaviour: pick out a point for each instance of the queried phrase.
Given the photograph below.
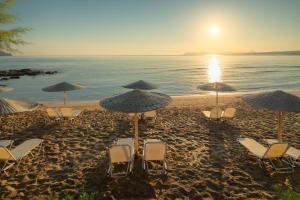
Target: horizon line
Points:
(285, 52)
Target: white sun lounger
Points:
(53, 113)
(228, 113)
(151, 115)
(270, 154)
(291, 152)
(121, 152)
(154, 150)
(69, 113)
(215, 113)
(10, 157)
(6, 143)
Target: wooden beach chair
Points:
(272, 154)
(154, 150)
(121, 152)
(69, 113)
(228, 113)
(215, 113)
(16, 155)
(292, 153)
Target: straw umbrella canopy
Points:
(63, 87)
(136, 101)
(5, 88)
(10, 106)
(217, 87)
(278, 101)
(141, 85)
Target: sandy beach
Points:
(205, 161)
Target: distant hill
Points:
(267, 53)
(5, 54)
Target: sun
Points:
(214, 31)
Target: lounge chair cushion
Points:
(5, 154)
(276, 150)
(127, 141)
(154, 149)
(23, 149)
(254, 147)
(52, 113)
(294, 153)
(120, 153)
(206, 113)
(229, 113)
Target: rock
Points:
(51, 72)
(14, 77)
(16, 73)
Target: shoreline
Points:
(178, 101)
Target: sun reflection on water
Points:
(214, 71)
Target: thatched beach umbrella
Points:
(141, 85)
(278, 101)
(217, 87)
(10, 106)
(5, 88)
(63, 87)
(136, 101)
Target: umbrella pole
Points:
(136, 133)
(65, 98)
(217, 102)
(280, 125)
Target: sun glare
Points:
(214, 31)
(214, 72)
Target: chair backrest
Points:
(52, 113)
(66, 112)
(216, 113)
(5, 154)
(229, 112)
(150, 114)
(120, 153)
(276, 150)
(155, 151)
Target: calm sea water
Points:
(176, 75)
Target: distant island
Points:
(253, 53)
(5, 54)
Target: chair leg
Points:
(165, 165)
(128, 168)
(7, 166)
(109, 170)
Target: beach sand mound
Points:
(205, 161)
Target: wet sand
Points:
(204, 159)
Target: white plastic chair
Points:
(69, 113)
(215, 113)
(292, 153)
(10, 157)
(53, 113)
(228, 113)
(154, 150)
(263, 154)
(121, 152)
(151, 115)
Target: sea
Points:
(104, 76)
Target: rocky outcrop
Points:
(17, 73)
(2, 53)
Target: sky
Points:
(157, 27)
